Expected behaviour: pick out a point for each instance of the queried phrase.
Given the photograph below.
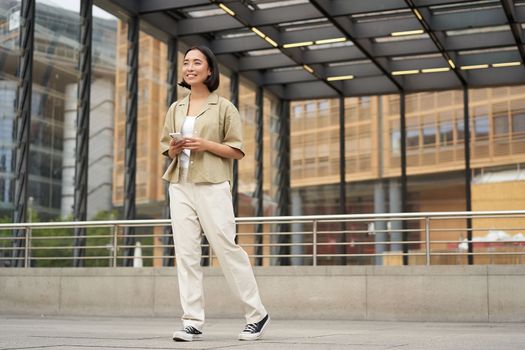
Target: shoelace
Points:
(250, 328)
(191, 329)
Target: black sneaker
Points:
(254, 331)
(189, 333)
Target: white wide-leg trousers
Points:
(209, 206)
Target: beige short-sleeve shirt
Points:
(218, 121)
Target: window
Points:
(481, 126)
(501, 124)
(518, 116)
(395, 141)
(460, 129)
(310, 110)
(429, 129)
(298, 111)
(413, 138)
(518, 123)
(324, 108)
(446, 133)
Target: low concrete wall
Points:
(408, 293)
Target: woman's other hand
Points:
(196, 144)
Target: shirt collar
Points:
(213, 99)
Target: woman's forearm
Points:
(224, 151)
(219, 149)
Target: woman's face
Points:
(195, 69)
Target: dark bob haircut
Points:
(213, 80)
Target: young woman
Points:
(200, 199)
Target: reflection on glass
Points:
(9, 37)
(247, 111)
(446, 134)
(102, 121)
(54, 100)
(152, 108)
(314, 141)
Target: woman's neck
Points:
(200, 92)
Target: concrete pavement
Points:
(80, 333)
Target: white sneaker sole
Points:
(180, 336)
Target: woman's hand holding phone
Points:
(176, 144)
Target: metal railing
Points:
(422, 238)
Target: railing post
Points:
(427, 239)
(115, 245)
(314, 241)
(27, 245)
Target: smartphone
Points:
(176, 135)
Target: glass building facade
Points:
(54, 107)
(435, 135)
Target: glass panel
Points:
(498, 182)
(314, 142)
(391, 135)
(102, 121)
(247, 110)
(9, 38)
(444, 191)
(224, 87)
(152, 108)
(120, 113)
(315, 200)
(54, 101)
(360, 136)
(269, 139)
(434, 167)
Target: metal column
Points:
(296, 239)
(234, 96)
(396, 226)
(131, 134)
(172, 97)
(82, 140)
(341, 249)
(379, 188)
(259, 171)
(23, 123)
(404, 196)
(468, 173)
(282, 177)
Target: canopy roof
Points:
(302, 49)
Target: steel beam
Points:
(341, 249)
(425, 19)
(244, 17)
(150, 6)
(515, 26)
(281, 178)
(22, 125)
(404, 186)
(234, 97)
(82, 140)
(167, 240)
(130, 166)
(345, 26)
(468, 174)
(259, 171)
